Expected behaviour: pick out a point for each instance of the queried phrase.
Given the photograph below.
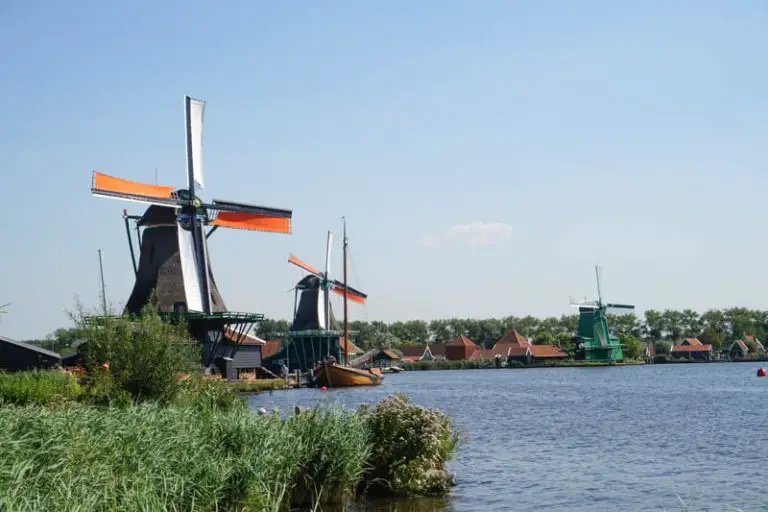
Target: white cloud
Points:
(472, 233)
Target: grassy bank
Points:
(205, 451)
(257, 386)
(137, 428)
(480, 365)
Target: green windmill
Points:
(593, 341)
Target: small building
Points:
(414, 353)
(692, 348)
(438, 351)
(753, 341)
(385, 357)
(21, 356)
(738, 350)
(517, 347)
(237, 355)
(459, 348)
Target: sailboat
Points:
(335, 374)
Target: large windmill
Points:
(173, 265)
(314, 333)
(594, 342)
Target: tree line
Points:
(716, 327)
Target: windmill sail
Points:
(190, 270)
(173, 261)
(195, 110)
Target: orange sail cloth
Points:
(253, 222)
(350, 295)
(111, 185)
(306, 266)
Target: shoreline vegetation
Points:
(143, 430)
(717, 327)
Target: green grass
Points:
(154, 458)
(256, 386)
(205, 451)
(40, 388)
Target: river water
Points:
(648, 437)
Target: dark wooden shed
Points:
(20, 356)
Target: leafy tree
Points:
(710, 336)
(544, 338)
(654, 324)
(662, 348)
(564, 340)
(632, 347)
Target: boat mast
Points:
(346, 310)
(103, 287)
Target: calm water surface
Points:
(621, 438)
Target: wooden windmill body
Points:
(173, 266)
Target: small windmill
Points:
(173, 261)
(594, 342)
(314, 333)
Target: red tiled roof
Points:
(415, 351)
(692, 348)
(438, 349)
(513, 338)
(482, 355)
(460, 341)
(271, 348)
(691, 341)
(547, 351)
(390, 354)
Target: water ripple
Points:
(569, 439)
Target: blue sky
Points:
(486, 154)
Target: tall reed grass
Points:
(167, 458)
(209, 454)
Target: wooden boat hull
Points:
(336, 376)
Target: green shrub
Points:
(144, 354)
(410, 446)
(38, 388)
(207, 393)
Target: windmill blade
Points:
(190, 270)
(598, 272)
(306, 266)
(104, 185)
(229, 214)
(328, 247)
(351, 293)
(193, 116)
(620, 306)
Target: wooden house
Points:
(239, 358)
(460, 348)
(385, 357)
(692, 348)
(413, 353)
(738, 350)
(517, 347)
(21, 356)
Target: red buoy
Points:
(761, 372)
